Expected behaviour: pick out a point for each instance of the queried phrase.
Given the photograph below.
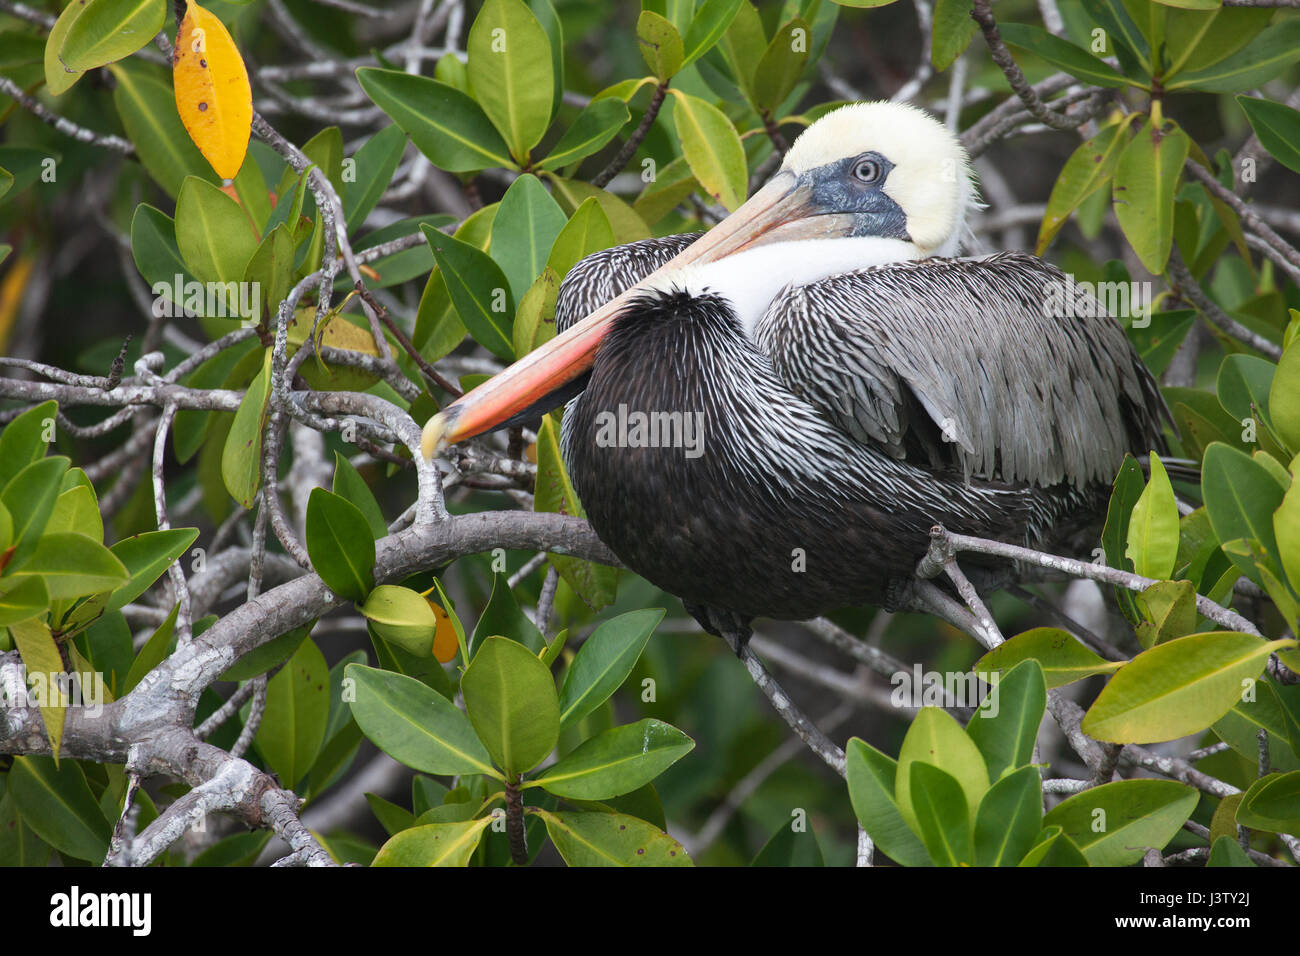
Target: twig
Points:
(621, 158)
(64, 126)
(983, 15)
(1188, 288)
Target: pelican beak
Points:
(781, 210)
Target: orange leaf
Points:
(213, 97)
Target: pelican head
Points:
(883, 181)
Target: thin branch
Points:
(983, 15)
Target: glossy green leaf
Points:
(1053, 848)
(414, 724)
(477, 286)
(790, 847)
(445, 125)
(1278, 129)
(712, 149)
(505, 618)
(611, 839)
(1284, 398)
(1272, 803)
(1153, 527)
(597, 124)
(340, 545)
(29, 498)
(1227, 852)
(1062, 54)
(511, 701)
(935, 738)
(951, 32)
(349, 484)
(1009, 819)
(604, 661)
(108, 30)
(1240, 498)
(1169, 609)
(44, 668)
(73, 565)
(523, 232)
(437, 844)
(660, 43)
(616, 761)
(871, 778)
(1177, 688)
(402, 617)
(1089, 167)
(710, 23)
(511, 72)
(212, 232)
(265, 656)
(297, 708)
(782, 65)
(25, 439)
(942, 815)
(146, 557)
(373, 165)
(1005, 725)
(58, 78)
(57, 803)
(1115, 823)
(587, 231)
(1262, 59)
(23, 598)
(241, 455)
(146, 103)
(1142, 190)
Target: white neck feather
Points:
(750, 280)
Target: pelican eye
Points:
(867, 171)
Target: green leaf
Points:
(1114, 824)
(1054, 848)
(1284, 397)
(349, 484)
(477, 287)
(743, 45)
(660, 43)
(1089, 167)
(1243, 385)
(503, 617)
(595, 584)
(1240, 498)
(1005, 725)
(1278, 129)
(108, 30)
(44, 668)
(297, 708)
(597, 124)
(29, 497)
(1062, 658)
(628, 226)
(152, 654)
(871, 778)
(1227, 852)
(415, 725)
(712, 149)
(1286, 527)
(1272, 803)
(1153, 528)
(587, 231)
(510, 698)
(782, 65)
(611, 839)
(790, 847)
(402, 617)
(437, 844)
(24, 599)
(1262, 59)
(374, 165)
(212, 232)
(271, 268)
(942, 815)
(604, 661)
(511, 72)
(25, 439)
(265, 656)
(1177, 688)
(1009, 818)
(1142, 190)
(710, 22)
(535, 318)
(146, 557)
(75, 510)
(147, 106)
(951, 32)
(523, 231)
(550, 21)
(1169, 609)
(73, 565)
(444, 124)
(56, 802)
(241, 455)
(1062, 54)
(156, 255)
(58, 78)
(340, 545)
(938, 740)
(616, 761)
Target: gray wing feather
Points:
(603, 275)
(952, 362)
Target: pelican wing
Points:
(954, 363)
(603, 275)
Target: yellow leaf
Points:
(213, 97)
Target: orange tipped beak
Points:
(778, 211)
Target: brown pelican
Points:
(846, 385)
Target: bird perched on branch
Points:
(770, 417)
